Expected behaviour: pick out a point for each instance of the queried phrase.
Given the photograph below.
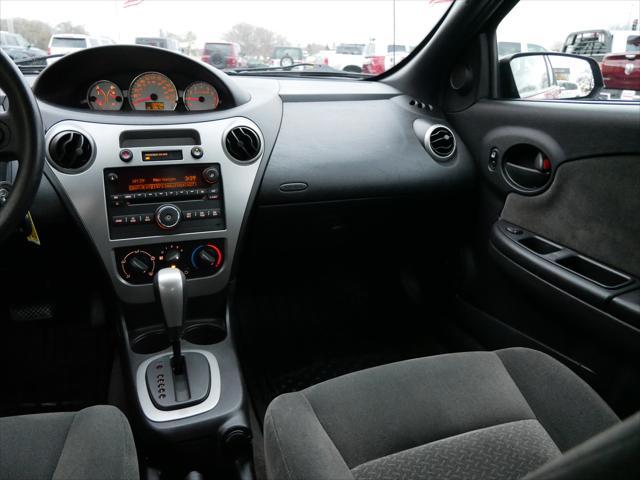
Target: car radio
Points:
(151, 200)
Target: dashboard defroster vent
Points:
(71, 151)
(243, 144)
(441, 142)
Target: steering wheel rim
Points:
(21, 139)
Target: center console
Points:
(160, 196)
(163, 206)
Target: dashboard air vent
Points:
(243, 144)
(440, 141)
(71, 151)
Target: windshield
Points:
(68, 42)
(351, 36)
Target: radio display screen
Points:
(146, 179)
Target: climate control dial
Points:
(138, 265)
(206, 257)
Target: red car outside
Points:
(621, 71)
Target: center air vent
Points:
(243, 144)
(440, 141)
(71, 151)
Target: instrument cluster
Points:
(152, 91)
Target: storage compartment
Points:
(592, 271)
(204, 333)
(538, 245)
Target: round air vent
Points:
(243, 144)
(70, 151)
(440, 141)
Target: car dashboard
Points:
(175, 187)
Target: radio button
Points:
(197, 152)
(119, 220)
(128, 196)
(167, 216)
(126, 155)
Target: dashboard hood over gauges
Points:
(116, 62)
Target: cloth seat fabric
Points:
(94, 443)
(481, 415)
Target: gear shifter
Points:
(176, 380)
(169, 284)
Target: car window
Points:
(266, 31)
(223, 49)
(10, 40)
(508, 48)
(67, 42)
(605, 30)
(532, 47)
(350, 49)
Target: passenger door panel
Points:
(558, 267)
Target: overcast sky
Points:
(306, 21)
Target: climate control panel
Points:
(198, 258)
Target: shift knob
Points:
(169, 285)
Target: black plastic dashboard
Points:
(322, 141)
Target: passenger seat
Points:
(507, 414)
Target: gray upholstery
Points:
(94, 443)
(591, 206)
(414, 410)
(509, 450)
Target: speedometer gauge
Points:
(104, 95)
(153, 91)
(200, 96)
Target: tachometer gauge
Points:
(104, 95)
(200, 96)
(153, 91)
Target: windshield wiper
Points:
(27, 61)
(316, 70)
(35, 64)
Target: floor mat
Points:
(337, 319)
(59, 363)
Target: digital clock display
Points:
(154, 106)
(143, 184)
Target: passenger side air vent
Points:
(243, 144)
(71, 151)
(440, 141)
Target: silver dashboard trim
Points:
(156, 415)
(86, 193)
(427, 143)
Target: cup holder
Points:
(150, 342)
(204, 333)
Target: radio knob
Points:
(168, 216)
(210, 175)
